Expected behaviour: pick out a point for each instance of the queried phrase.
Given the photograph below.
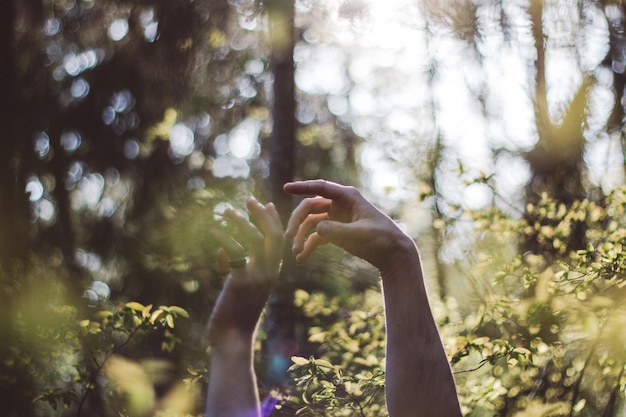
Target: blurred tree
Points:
(13, 199)
(115, 108)
(281, 340)
(132, 120)
(556, 161)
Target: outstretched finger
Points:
(266, 216)
(274, 216)
(274, 242)
(307, 227)
(232, 248)
(312, 243)
(252, 235)
(323, 188)
(268, 219)
(306, 207)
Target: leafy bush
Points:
(544, 335)
(67, 358)
(541, 335)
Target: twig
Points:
(592, 351)
(96, 372)
(609, 411)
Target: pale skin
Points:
(232, 388)
(418, 377)
(419, 381)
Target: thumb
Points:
(333, 231)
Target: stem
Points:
(96, 372)
(592, 351)
(609, 411)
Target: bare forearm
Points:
(418, 376)
(419, 380)
(232, 388)
(249, 281)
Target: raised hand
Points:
(418, 378)
(341, 215)
(248, 284)
(232, 390)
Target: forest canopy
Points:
(492, 131)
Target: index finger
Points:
(317, 187)
(307, 206)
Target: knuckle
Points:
(352, 191)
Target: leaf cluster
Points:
(347, 377)
(98, 342)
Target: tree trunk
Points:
(614, 60)
(556, 161)
(14, 385)
(13, 201)
(281, 320)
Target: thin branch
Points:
(96, 372)
(609, 411)
(481, 364)
(592, 352)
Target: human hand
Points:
(342, 216)
(247, 285)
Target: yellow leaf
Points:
(134, 305)
(299, 360)
(156, 314)
(178, 311)
(145, 313)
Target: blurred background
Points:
(492, 131)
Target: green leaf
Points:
(156, 315)
(299, 360)
(321, 363)
(145, 313)
(103, 314)
(135, 306)
(179, 311)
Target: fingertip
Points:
(295, 187)
(231, 213)
(323, 228)
(271, 208)
(252, 202)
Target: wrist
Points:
(231, 343)
(403, 258)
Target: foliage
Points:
(68, 358)
(348, 378)
(123, 127)
(552, 316)
(543, 337)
